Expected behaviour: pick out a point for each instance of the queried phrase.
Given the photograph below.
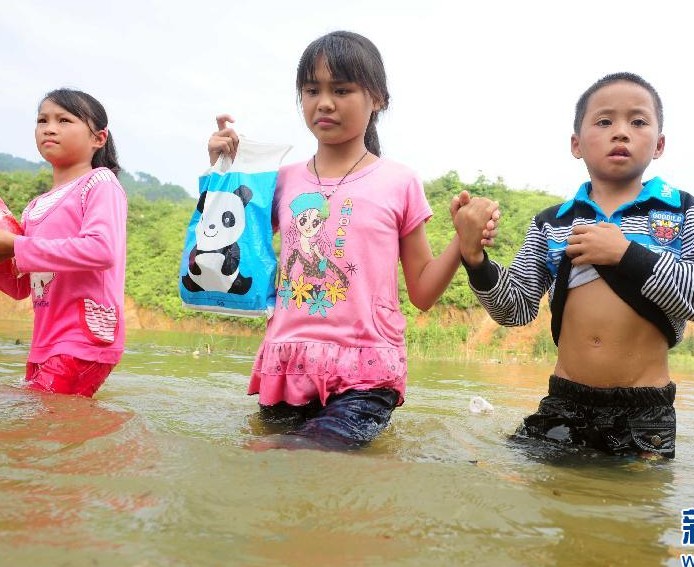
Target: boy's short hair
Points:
(582, 103)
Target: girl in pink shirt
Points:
(71, 256)
(332, 366)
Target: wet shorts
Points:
(618, 421)
(348, 420)
(65, 374)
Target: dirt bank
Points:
(483, 332)
(135, 318)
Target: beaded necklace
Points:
(335, 187)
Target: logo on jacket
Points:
(664, 226)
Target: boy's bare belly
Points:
(604, 343)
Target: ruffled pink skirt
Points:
(297, 373)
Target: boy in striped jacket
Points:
(617, 261)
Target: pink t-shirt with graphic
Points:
(72, 257)
(337, 324)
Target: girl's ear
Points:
(100, 138)
(376, 102)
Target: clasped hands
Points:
(476, 221)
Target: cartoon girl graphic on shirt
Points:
(309, 275)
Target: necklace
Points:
(335, 187)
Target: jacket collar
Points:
(656, 189)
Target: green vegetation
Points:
(155, 239)
(543, 345)
(11, 163)
(158, 216)
(518, 208)
(17, 188)
(150, 188)
(21, 180)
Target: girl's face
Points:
(619, 135)
(63, 139)
(336, 112)
(308, 223)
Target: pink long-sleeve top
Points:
(72, 261)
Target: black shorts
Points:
(348, 420)
(618, 421)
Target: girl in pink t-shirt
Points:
(71, 255)
(332, 366)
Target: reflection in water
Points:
(155, 471)
(42, 429)
(53, 450)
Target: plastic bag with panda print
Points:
(228, 264)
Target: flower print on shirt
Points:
(310, 279)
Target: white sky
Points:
(478, 87)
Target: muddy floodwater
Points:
(158, 470)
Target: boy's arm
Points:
(512, 296)
(663, 278)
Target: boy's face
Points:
(619, 134)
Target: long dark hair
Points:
(351, 58)
(92, 113)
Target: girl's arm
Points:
(427, 277)
(6, 244)
(95, 246)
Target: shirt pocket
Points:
(99, 323)
(388, 320)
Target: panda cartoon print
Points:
(213, 264)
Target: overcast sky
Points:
(478, 87)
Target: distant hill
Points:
(149, 187)
(140, 184)
(11, 163)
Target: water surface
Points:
(156, 470)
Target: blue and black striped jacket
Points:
(655, 276)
